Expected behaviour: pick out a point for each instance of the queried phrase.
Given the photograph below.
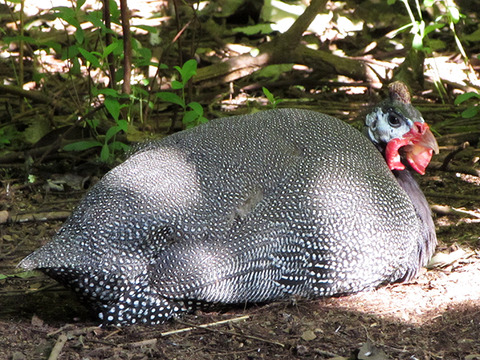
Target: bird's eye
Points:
(394, 120)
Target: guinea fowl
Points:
(248, 209)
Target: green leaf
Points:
(79, 4)
(202, 120)
(81, 145)
(196, 107)
(67, 14)
(118, 145)
(475, 36)
(466, 96)
(436, 44)
(189, 119)
(176, 85)
(144, 57)
(93, 123)
(433, 27)
(90, 57)
(150, 29)
(140, 91)
(188, 70)
(123, 125)
(26, 274)
(109, 49)
(118, 51)
(95, 17)
(171, 97)
(190, 66)
(80, 35)
(269, 95)
(113, 107)
(108, 92)
(470, 112)
(25, 39)
(75, 70)
(454, 13)
(105, 153)
(70, 52)
(111, 133)
(263, 29)
(428, 3)
(119, 74)
(53, 45)
(417, 42)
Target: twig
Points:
(448, 210)
(108, 41)
(452, 154)
(232, 333)
(74, 332)
(147, 342)
(59, 330)
(40, 216)
(192, 327)
(127, 47)
(452, 196)
(327, 353)
(57, 349)
(456, 169)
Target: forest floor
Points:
(436, 316)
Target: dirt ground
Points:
(437, 316)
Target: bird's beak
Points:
(417, 146)
(422, 145)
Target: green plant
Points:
(191, 117)
(471, 110)
(7, 134)
(449, 15)
(100, 57)
(108, 143)
(274, 101)
(22, 275)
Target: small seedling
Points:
(191, 117)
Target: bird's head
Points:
(400, 132)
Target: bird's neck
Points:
(422, 209)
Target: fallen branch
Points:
(57, 349)
(33, 217)
(452, 196)
(232, 333)
(449, 210)
(455, 169)
(452, 154)
(286, 48)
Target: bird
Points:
(251, 208)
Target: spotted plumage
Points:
(249, 208)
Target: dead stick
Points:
(192, 327)
(452, 196)
(232, 333)
(57, 349)
(452, 154)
